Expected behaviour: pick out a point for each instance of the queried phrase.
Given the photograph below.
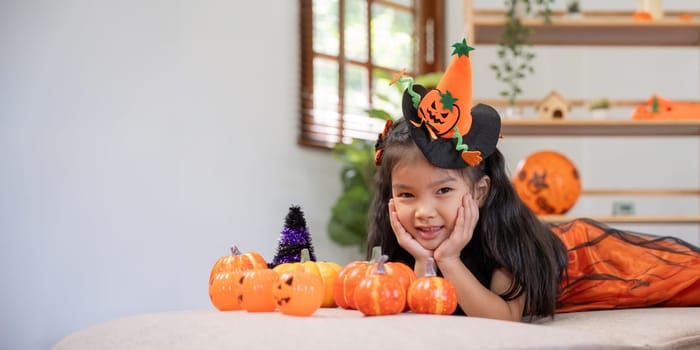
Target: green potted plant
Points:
(515, 49)
(599, 108)
(573, 9)
(348, 222)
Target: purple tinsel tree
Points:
(293, 238)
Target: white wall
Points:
(131, 155)
(128, 165)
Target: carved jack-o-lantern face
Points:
(298, 293)
(432, 111)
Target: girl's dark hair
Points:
(508, 234)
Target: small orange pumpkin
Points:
(403, 274)
(431, 294)
(224, 276)
(238, 261)
(223, 290)
(255, 290)
(380, 293)
(298, 293)
(327, 271)
(348, 277)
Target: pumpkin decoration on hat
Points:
(547, 182)
(448, 130)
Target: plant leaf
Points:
(379, 114)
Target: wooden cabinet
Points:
(600, 28)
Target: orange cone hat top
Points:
(449, 104)
(448, 130)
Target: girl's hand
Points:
(467, 217)
(405, 240)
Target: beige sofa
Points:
(652, 328)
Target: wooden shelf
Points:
(599, 28)
(594, 28)
(586, 127)
(629, 219)
(641, 192)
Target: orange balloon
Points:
(547, 182)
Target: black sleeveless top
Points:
(473, 258)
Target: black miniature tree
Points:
(293, 239)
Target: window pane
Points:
(392, 37)
(325, 88)
(356, 30)
(356, 89)
(358, 126)
(386, 97)
(325, 27)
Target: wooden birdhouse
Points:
(553, 107)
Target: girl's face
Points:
(427, 199)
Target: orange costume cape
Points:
(610, 268)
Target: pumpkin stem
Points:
(430, 268)
(305, 255)
(380, 264)
(234, 250)
(376, 254)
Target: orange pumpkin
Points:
(431, 294)
(298, 293)
(380, 293)
(547, 182)
(223, 290)
(238, 261)
(224, 276)
(440, 120)
(325, 270)
(255, 290)
(349, 277)
(400, 271)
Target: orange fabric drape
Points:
(610, 268)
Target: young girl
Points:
(442, 192)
